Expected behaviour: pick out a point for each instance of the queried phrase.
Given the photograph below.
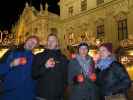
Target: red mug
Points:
(80, 78)
(22, 60)
(93, 77)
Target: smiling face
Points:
(103, 51)
(31, 43)
(52, 42)
(83, 51)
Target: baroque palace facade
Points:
(93, 21)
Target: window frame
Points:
(122, 29)
(100, 30)
(70, 10)
(83, 5)
(99, 2)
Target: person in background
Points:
(81, 75)
(50, 71)
(16, 71)
(112, 77)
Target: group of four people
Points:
(47, 75)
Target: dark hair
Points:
(83, 44)
(108, 46)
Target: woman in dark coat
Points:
(16, 71)
(112, 77)
(81, 76)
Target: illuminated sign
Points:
(126, 43)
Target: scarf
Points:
(105, 63)
(86, 65)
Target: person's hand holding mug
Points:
(93, 77)
(18, 61)
(80, 78)
(50, 63)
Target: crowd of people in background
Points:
(50, 75)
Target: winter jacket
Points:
(50, 81)
(80, 91)
(17, 81)
(113, 80)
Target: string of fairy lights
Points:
(6, 38)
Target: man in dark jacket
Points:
(50, 71)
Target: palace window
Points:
(54, 30)
(70, 11)
(100, 2)
(122, 29)
(100, 31)
(83, 5)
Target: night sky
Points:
(10, 10)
